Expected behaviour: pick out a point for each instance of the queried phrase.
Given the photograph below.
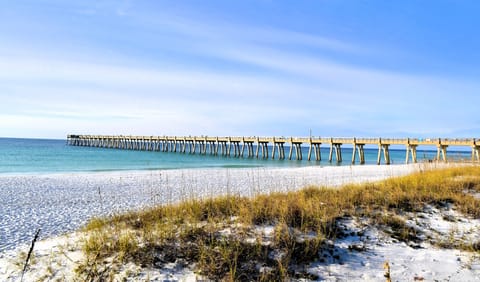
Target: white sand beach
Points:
(58, 203)
(61, 203)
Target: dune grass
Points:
(220, 236)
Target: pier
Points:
(243, 147)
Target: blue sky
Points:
(337, 68)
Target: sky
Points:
(240, 68)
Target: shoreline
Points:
(115, 172)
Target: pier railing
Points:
(256, 146)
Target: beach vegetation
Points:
(270, 237)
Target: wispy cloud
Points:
(179, 75)
(226, 101)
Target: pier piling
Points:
(239, 144)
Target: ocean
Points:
(41, 156)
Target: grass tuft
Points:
(221, 236)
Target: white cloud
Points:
(184, 101)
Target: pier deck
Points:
(254, 146)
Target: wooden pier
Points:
(256, 147)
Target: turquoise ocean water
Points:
(54, 156)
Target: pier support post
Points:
(183, 146)
(299, 151)
(338, 152)
(310, 149)
(330, 155)
(442, 152)
(354, 150)
(407, 152)
(379, 155)
(212, 148)
(361, 153)
(243, 148)
(278, 146)
(273, 148)
(476, 153)
(258, 148)
(291, 150)
(221, 144)
(229, 146)
(318, 153)
(337, 147)
(386, 152)
(264, 148)
(411, 150)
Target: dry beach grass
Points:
(274, 237)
